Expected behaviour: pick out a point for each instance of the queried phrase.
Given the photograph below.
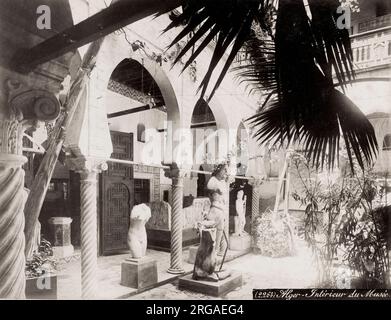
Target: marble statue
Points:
(137, 235)
(217, 187)
(216, 213)
(240, 218)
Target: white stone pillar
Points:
(88, 144)
(89, 170)
(12, 200)
(176, 264)
(256, 193)
(88, 227)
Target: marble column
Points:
(176, 261)
(256, 193)
(230, 180)
(89, 169)
(88, 226)
(12, 200)
(21, 107)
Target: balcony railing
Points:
(375, 23)
(371, 50)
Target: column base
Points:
(175, 271)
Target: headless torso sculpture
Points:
(137, 236)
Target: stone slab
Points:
(239, 243)
(139, 273)
(215, 289)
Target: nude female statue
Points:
(240, 218)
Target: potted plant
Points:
(41, 277)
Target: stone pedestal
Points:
(239, 243)
(61, 236)
(139, 273)
(214, 289)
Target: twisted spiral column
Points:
(255, 202)
(12, 200)
(256, 194)
(176, 224)
(89, 241)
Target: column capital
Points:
(174, 172)
(87, 165)
(23, 108)
(255, 182)
(29, 105)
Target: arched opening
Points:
(387, 143)
(242, 152)
(141, 132)
(139, 102)
(205, 143)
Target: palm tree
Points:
(295, 48)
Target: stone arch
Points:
(386, 145)
(157, 73)
(112, 53)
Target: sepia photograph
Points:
(214, 151)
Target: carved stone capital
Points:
(87, 165)
(31, 104)
(256, 182)
(175, 173)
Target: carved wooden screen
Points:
(118, 196)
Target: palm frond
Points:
(319, 130)
(228, 22)
(306, 106)
(259, 70)
(293, 62)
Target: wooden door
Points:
(117, 194)
(141, 191)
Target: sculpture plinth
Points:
(214, 289)
(139, 273)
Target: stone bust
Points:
(137, 235)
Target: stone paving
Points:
(258, 273)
